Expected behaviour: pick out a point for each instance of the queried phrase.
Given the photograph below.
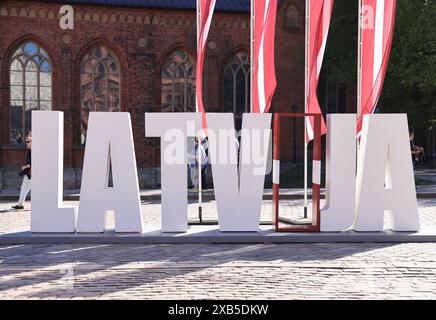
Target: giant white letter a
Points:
(385, 179)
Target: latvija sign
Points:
(384, 179)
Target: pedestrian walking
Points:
(26, 174)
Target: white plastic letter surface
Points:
(47, 213)
(109, 140)
(173, 129)
(239, 195)
(385, 180)
(338, 214)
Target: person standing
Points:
(205, 172)
(26, 174)
(194, 163)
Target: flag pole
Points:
(359, 69)
(306, 100)
(251, 53)
(359, 60)
(200, 189)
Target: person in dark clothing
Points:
(418, 154)
(27, 176)
(205, 166)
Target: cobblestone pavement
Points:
(285, 271)
(12, 219)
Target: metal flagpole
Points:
(359, 69)
(359, 59)
(306, 89)
(251, 53)
(200, 189)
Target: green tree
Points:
(410, 84)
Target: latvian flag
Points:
(205, 9)
(377, 28)
(319, 15)
(264, 76)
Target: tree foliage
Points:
(410, 84)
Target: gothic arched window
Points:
(178, 83)
(100, 87)
(291, 17)
(237, 86)
(31, 88)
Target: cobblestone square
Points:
(218, 271)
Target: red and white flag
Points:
(264, 77)
(377, 29)
(319, 15)
(205, 9)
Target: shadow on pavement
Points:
(26, 264)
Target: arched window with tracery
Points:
(291, 17)
(100, 84)
(237, 86)
(30, 88)
(178, 83)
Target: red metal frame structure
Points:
(316, 174)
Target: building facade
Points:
(136, 59)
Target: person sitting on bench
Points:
(418, 154)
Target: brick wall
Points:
(141, 38)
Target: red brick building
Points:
(136, 59)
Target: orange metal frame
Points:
(316, 189)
